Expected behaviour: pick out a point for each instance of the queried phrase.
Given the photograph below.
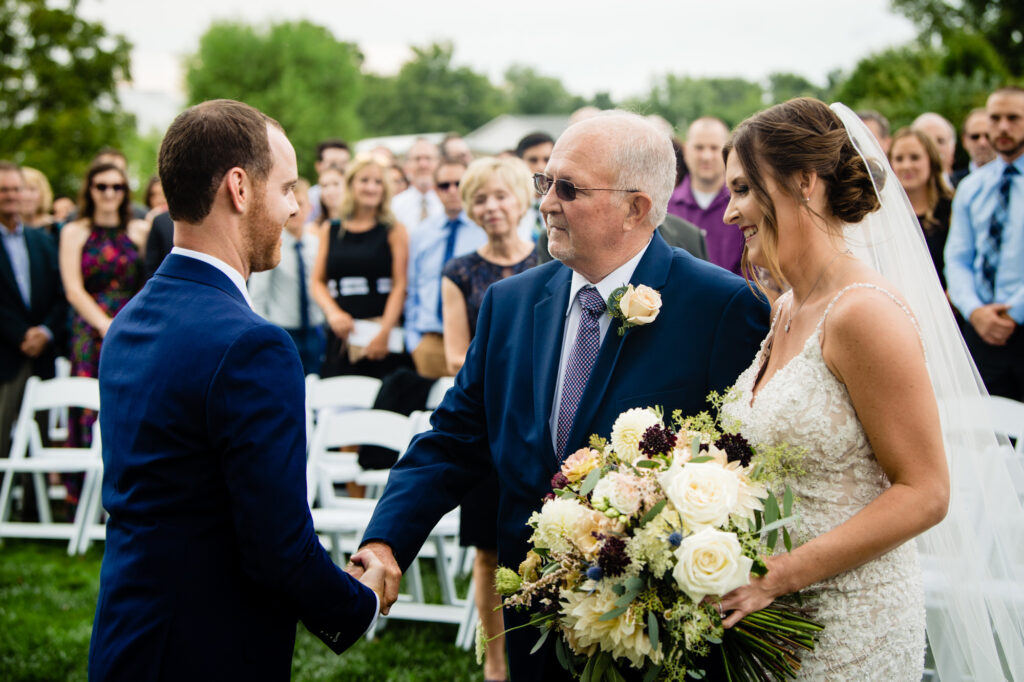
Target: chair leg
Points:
(42, 498)
(415, 581)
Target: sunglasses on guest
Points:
(103, 187)
(445, 186)
(565, 190)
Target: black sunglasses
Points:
(974, 137)
(103, 187)
(444, 186)
(565, 190)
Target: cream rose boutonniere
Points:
(634, 307)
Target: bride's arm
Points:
(872, 347)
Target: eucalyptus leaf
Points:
(550, 568)
(701, 459)
(540, 642)
(562, 655)
(695, 448)
(652, 629)
(636, 583)
(652, 674)
(787, 502)
(646, 464)
(619, 589)
(614, 675)
(652, 512)
(627, 598)
(614, 613)
(601, 665)
(590, 482)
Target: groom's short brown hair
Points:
(203, 143)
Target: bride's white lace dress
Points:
(874, 615)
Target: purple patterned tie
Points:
(581, 361)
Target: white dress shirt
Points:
(615, 279)
(408, 207)
(275, 293)
(234, 275)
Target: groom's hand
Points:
(377, 558)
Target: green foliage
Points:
(48, 599)
(531, 93)
(58, 105)
(682, 99)
(295, 72)
(430, 94)
(786, 86)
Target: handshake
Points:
(374, 565)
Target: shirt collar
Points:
(19, 230)
(234, 275)
(618, 277)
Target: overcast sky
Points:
(592, 45)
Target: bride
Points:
(858, 350)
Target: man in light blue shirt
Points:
(438, 240)
(985, 251)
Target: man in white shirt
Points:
(420, 201)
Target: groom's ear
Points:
(639, 208)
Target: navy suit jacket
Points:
(48, 306)
(211, 557)
(497, 414)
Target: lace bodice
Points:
(874, 614)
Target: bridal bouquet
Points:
(639, 538)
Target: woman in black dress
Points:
(360, 270)
(496, 194)
(916, 162)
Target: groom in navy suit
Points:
(211, 557)
(547, 366)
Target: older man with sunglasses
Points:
(548, 366)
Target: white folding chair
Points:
(28, 455)
(58, 419)
(438, 390)
(337, 394)
(1007, 418)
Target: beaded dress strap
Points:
(867, 285)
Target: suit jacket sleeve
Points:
(255, 416)
(741, 328)
(441, 465)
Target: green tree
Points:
(786, 86)
(295, 72)
(58, 104)
(997, 22)
(682, 99)
(429, 94)
(531, 93)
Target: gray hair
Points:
(643, 158)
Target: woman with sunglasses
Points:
(496, 194)
(101, 266)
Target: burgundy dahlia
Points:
(657, 440)
(736, 447)
(559, 481)
(612, 558)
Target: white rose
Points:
(711, 563)
(640, 305)
(628, 430)
(704, 494)
(618, 491)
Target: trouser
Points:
(428, 357)
(11, 392)
(1001, 367)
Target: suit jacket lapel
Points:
(37, 276)
(548, 330)
(652, 270)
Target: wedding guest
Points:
(495, 193)
(974, 138)
(915, 160)
(985, 251)
(282, 294)
(360, 269)
(943, 134)
(116, 157)
(399, 182)
(33, 313)
(879, 127)
(535, 150)
(436, 242)
(37, 201)
(420, 201)
(702, 197)
(101, 267)
(62, 208)
(333, 152)
(454, 148)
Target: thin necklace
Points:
(815, 286)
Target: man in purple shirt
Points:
(702, 197)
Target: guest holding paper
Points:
(360, 270)
(496, 194)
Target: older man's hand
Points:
(993, 324)
(378, 557)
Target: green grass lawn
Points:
(47, 601)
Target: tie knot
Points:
(1010, 170)
(452, 224)
(298, 245)
(591, 301)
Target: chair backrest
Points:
(438, 390)
(337, 393)
(1007, 418)
(52, 394)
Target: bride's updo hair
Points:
(803, 134)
